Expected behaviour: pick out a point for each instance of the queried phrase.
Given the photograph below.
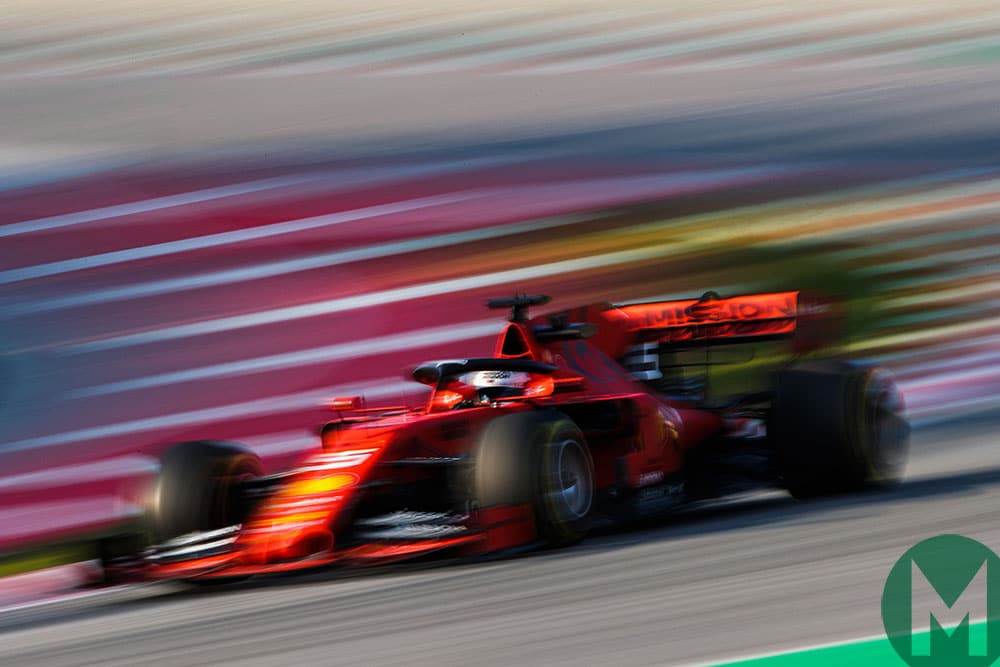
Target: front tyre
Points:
(199, 488)
(539, 459)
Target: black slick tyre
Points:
(539, 459)
(838, 427)
(198, 488)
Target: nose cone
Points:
(309, 543)
(295, 521)
(286, 530)
(281, 543)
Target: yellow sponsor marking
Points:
(299, 517)
(314, 487)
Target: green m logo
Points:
(941, 604)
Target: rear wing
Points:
(715, 319)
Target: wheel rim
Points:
(887, 426)
(575, 484)
(233, 509)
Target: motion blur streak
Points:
(213, 219)
(649, 187)
(224, 238)
(197, 197)
(386, 344)
(377, 390)
(329, 182)
(259, 271)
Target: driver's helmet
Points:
(491, 385)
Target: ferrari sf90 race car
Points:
(582, 418)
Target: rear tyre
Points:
(838, 427)
(538, 459)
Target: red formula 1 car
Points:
(593, 415)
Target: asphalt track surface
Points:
(760, 574)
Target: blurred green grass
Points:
(43, 557)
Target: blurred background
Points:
(215, 215)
